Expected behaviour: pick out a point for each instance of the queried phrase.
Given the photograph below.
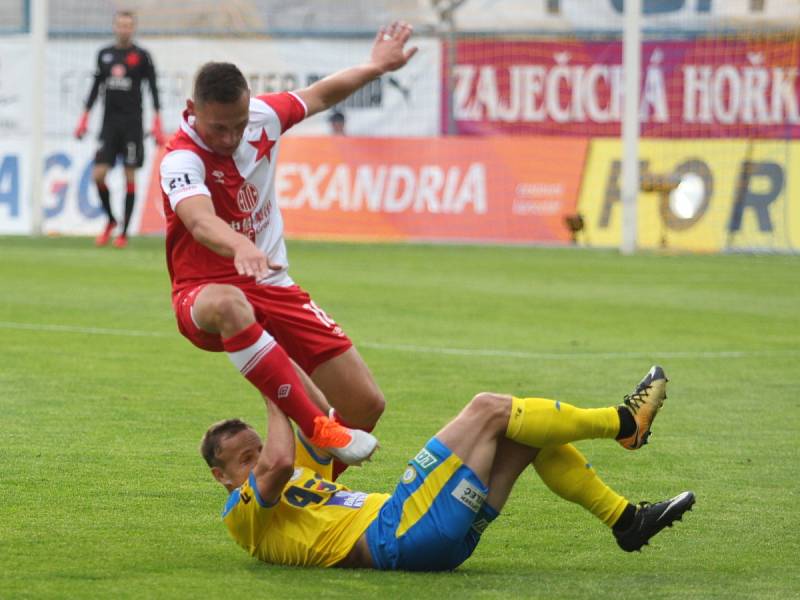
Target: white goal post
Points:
(631, 64)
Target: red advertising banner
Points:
(725, 87)
(492, 189)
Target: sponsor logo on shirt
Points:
(284, 390)
(471, 497)
(347, 499)
(119, 79)
(182, 184)
(253, 224)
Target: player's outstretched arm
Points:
(197, 214)
(388, 54)
(275, 464)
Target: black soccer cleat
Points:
(652, 518)
(644, 403)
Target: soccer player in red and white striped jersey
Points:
(227, 258)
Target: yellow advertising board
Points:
(735, 194)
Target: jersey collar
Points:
(187, 126)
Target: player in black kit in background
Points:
(120, 70)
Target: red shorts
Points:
(288, 314)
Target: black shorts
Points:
(121, 138)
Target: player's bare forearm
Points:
(331, 90)
(216, 235)
(280, 436)
(276, 462)
(197, 214)
(388, 54)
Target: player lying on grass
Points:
(284, 509)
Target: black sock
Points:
(129, 200)
(625, 519)
(105, 199)
(627, 424)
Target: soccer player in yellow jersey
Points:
(284, 509)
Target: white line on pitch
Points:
(575, 355)
(479, 352)
(77, 329)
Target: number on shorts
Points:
(320, 314)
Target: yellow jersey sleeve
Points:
(247, 515)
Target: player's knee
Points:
(365, 413)
(229, 305)
(373, 406)
(491, 408)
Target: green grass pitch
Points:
(102, 405)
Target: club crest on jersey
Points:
(409, 475)
(247, 199)
(132, 59)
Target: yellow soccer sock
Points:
(540, 422)
(567, 473)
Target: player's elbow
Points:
(286, 461)
(201, 229)
(195, 224)
(283, 472)
(283, 465)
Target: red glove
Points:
(158, 133)
(83, 125)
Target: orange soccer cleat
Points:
(351, 446)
